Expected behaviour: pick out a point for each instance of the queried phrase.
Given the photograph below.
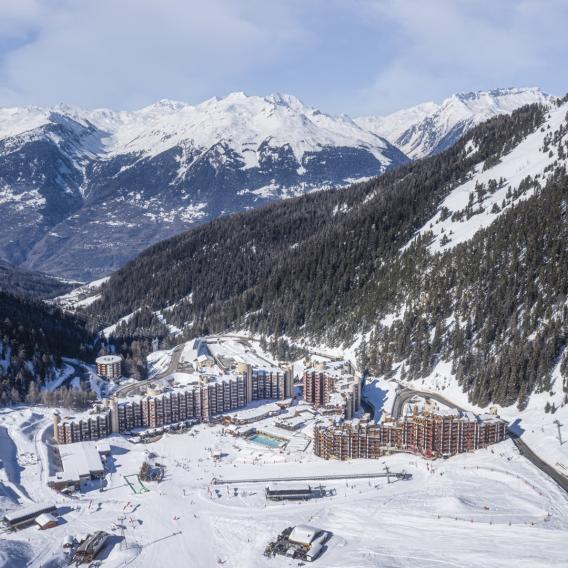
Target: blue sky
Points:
(353, 56)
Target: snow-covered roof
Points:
(315, 549)
(45, 519)
(304, 534)
(28, 511)
(108, 359)
(64, 476)
(257, 412)
(103, 447)
(81, 457)
(292, 420)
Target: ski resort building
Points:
(26, 516)
(184, 397)
(94, 425)
(332, 388)
(89, 548)
(109, 366)
(428, 434)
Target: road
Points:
(525, 451)
(172, 368)
(406, 393)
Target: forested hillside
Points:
(496, 306)
(33, 339)
(28, 283)
(331, 266)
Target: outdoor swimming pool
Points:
(268, 441)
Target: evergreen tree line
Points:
(306, 255)
(26, 283)
(34, 337)
(61, 397)
(495, 306)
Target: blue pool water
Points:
(266, 441)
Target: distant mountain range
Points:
(431, 128)
(84, 191)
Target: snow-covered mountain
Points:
(83, 191)
(485, 221)
(430, 128)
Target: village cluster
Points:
(318, 412)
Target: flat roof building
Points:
(26, 515)
(109, 366)
(289, 493)
(82, 460)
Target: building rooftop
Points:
(45, 519)
(30, 511)
(81, 457)
(108, 359)
(256, 412)
(304, 534)
(64, 477)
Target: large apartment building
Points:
(332, 388)
(427, 433)
(195, 396)
(92, 426)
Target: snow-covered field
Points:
(492, 508)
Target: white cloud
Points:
(360, 57)
(449, 45)
(130, 52)
(18, 17)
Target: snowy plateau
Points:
(75, 182)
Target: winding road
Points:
(525, 451)
(172, 368)
(406, 394)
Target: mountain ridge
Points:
(84, 191)
(430, 128)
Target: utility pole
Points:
(558, 425)
(387, 470)
(123, 544)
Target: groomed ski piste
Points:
(489, 508)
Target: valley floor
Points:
(492, 508)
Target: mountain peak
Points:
(164, 105)
(430, 128)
